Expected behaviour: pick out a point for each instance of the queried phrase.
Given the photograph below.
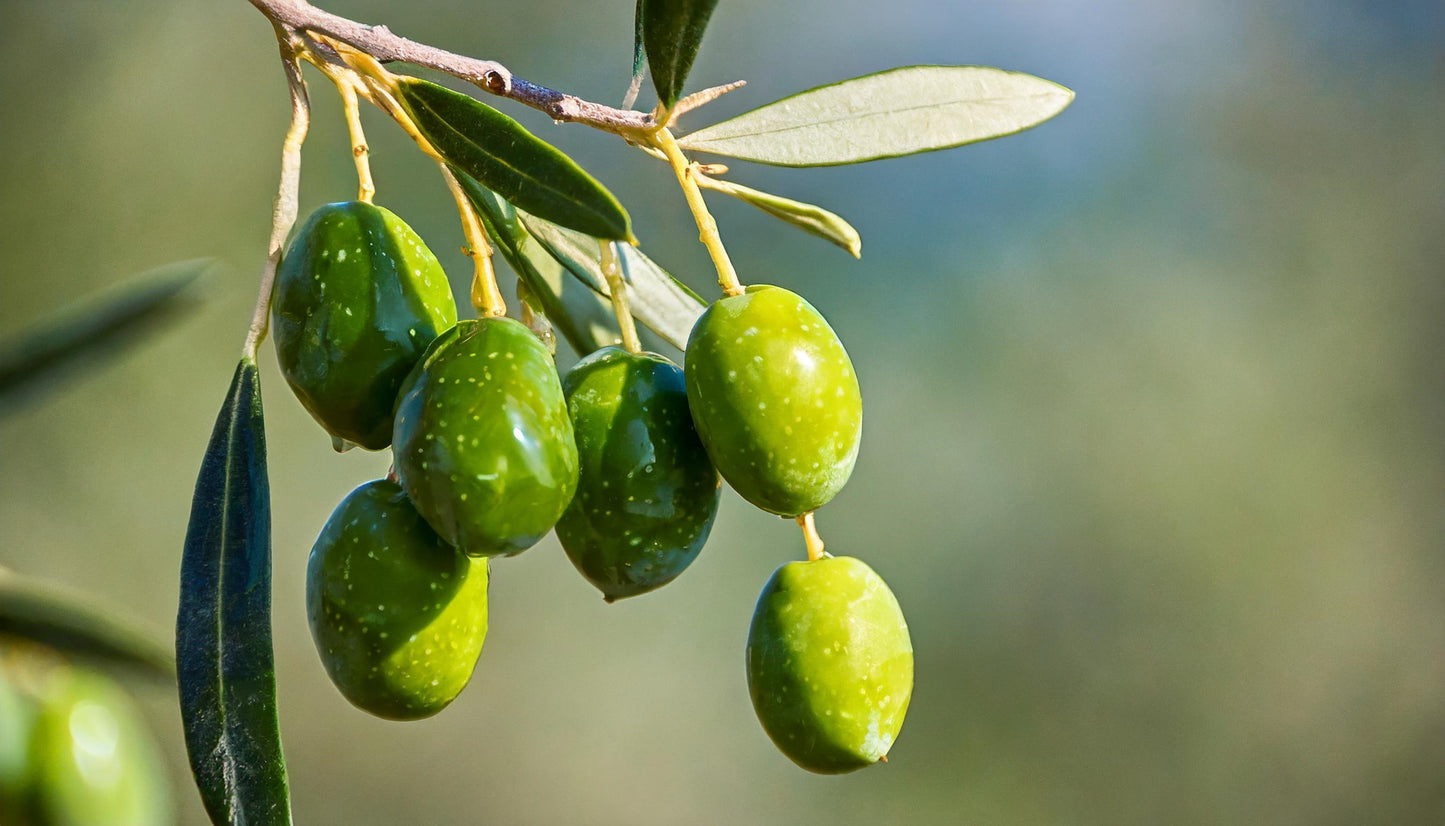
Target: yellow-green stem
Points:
(727, 277)
(810, 535)
(485, 295)
(283, 213)
(612, 269)
(366, 189)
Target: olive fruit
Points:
(830, 664)
(775, 399)
(357, 300)
(398, 615)
(483, 444)
(89, 761)
(646, 492)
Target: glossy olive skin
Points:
(358, 298)
(775, 399)
(89, 760)
(483, 443)
(830, 664)
(646, 492)
(398, 616)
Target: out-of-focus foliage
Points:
(1152, 457)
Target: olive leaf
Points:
(896, 112)
(671, 33)
(584, 319)
(639, 61)
(86, 335)
(507, 159)
(227, 672)
(73, 625)
(667, 306)
(807, 217)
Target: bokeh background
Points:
(1154, 455)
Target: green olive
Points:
(830, 664)
(357, 300)
(91, 760)
(397, 614)
(775, 399)
(646, 491)
(483, 444)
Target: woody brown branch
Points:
(488, 75)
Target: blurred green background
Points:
(1155, 443)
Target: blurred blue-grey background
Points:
(1155, 444)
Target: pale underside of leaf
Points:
(897, 112)
(807, 217)
(657, 299)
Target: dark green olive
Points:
(646, 491)
(483, 444)
(775, 399)
(398, 616)
(830, 664)
(358, 298)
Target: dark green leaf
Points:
(507, 159)
(672, 30)
(658, 300)
(72, 624)
(639, 61)
(85, 335)
(809, 218)
(897, 112)
(223, 628)
(584, 319)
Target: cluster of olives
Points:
(622, 457)
(73, 749)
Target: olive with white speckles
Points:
(482, 441)
(775, 399)
(647, 492)
(398, 616)
(358, 298)
(830, 664)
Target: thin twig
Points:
(707, 233)
(283, 214)
(617, 287)
(488, 75)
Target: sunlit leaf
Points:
(671, 31)
(896, 112)
(658, 300)
(226, 667)
(583, 318)
(75, 626)
(807, 217)
(512, 162)
(97, 329)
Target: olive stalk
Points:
(366, 188)
(617, 287)
(810, 535)
(486, 298)
(727, 277)
(283, 213)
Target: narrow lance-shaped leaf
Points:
(584, 319)
(86, 335)
(807, 217)
(73, 625)
(672, 31)
(900, 111)
(639, 62)
(512, 162)
(226, 669)
(658, 300)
